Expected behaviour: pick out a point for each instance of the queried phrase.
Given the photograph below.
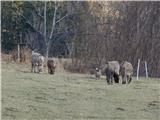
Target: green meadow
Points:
(70, 96)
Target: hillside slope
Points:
(75, 96)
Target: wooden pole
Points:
(138, 68)
(146, 69)
(18, 53)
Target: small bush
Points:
(25, 55)
(77, 66)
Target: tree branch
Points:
(36, 11)
(62, 18)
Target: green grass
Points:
(66, 96)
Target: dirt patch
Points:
(120, 109)
(153, 105)
(12, 109)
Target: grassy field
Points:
(66, 96)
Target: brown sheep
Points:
(51, 66)
(126, 72)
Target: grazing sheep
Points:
(37, 62)
(126, 72)
(111, 70)
(51, 65)
(98, 73)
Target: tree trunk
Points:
(45, 24)
(53, 27)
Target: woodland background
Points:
(90, 33)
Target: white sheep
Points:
(37, 62)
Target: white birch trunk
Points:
(45, 25)
(53, 26)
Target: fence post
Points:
(18, 53)
(146, 69)
(138, 68)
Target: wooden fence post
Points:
(18, 53)
(146, 69)
(138, 68)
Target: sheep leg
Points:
(123, 79)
